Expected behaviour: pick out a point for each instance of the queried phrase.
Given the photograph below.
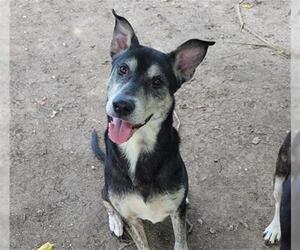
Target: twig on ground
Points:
(238, 12)
(203, 107)
(245, 27)
(199, 107)
(251, 44)
(191, 226)
(178, 120)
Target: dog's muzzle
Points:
(120, 131)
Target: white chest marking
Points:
(143, 140)
(155, 210)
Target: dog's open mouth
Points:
(120, 131)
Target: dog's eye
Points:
(123, 69)
(156, 82)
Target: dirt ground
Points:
(59, 67)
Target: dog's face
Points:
(143, 80)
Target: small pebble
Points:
(212, 231)
(216, 128)
(256, 140)
(77, 32)
(105, 62)
(204, 178)
(184, 106)
(54, 113)
(244, 224)
(93, 167)
(200, 221)
(53, 77)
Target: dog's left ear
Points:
(187, 57)
(123, 36)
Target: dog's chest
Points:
(142, 141)
(155, 209)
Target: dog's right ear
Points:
(123, 36)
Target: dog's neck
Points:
(145, 139)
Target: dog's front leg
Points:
(179, 227)
(114, 220)
(136, 230)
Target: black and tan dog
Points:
(145, 177)
(281, 223)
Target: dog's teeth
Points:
(110, 125)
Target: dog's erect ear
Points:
(187, 57)
(123, 36)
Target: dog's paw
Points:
(272, 234)
(115, 224)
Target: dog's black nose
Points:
(123, 107)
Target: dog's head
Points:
(143, 80)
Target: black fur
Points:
(283, 164)
(95, 147)
(156, 172)
(285, 215)
(159, 168)
(283, 169)
(162, 169)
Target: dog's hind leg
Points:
(179, 227)
(273, 232)
(114, 219)
(136, 230)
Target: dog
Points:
(281, 223)
(145, 176)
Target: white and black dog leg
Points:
(136, 230)
(179, 227)
(272, 233)
(114, 219)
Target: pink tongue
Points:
(119, 131)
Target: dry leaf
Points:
(46, 246)
(247, 5)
